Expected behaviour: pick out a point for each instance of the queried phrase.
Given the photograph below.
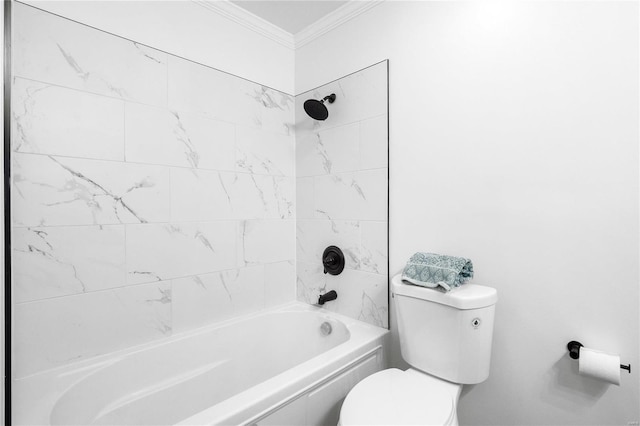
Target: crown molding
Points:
(344, 13)
(237, 14)
(248, 20)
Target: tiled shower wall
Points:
(150, 194)
(341, 195)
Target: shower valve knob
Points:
(333, 260)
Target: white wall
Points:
(514, 141)
(189, 30)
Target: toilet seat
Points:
(396, 397)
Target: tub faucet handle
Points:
(333, 260)
(329, 261)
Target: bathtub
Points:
(288, 365)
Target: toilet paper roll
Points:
(599, 365)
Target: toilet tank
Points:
(447, 335)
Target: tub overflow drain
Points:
(325, 328)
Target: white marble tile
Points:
(247, 194)
(364, 244)
(311, 156)
(265, 241)
(364, 296)
(217, 95)
(281, 198)
(372, 256)
(277, 110)
(259, 196)
(328, 151)
(158, 252)
(359, 96)
(341, 194)
(160, 136)
(52, 332)
(361, 295)
(203, 299)
(307, 235)
(50, 191)
(375, 187)
(59, 51)
(314, 236)
(364, 94)
(341, 144)
(279, 283)
(352, 196)
(65, 260)
(201, 195)
(200, 300)
(338, 197)
(264, 152)
(246, 286)
(193, 87)
(374, 143)
(54, 120)
(305, 198)
(311, 282)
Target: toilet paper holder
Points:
(574, 353)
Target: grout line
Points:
(137, 163)
(148, 224)
(149, 283)
(195, 113)
(85, 91)
(344, 172)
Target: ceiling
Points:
(290, 15)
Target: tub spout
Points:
(332, 295)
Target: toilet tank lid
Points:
(467, 296)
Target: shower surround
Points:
(152, 195)
(342, 193)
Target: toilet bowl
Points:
(396, 397)
(446, 339)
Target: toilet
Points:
(446, 339)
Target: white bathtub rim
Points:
(365, 339)
(111, 357)
(52, 383)
(230, 412)
(43, 389)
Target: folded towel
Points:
(433, 270)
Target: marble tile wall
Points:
(341, 195)
(150, 194)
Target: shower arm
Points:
(331, 98)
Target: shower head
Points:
(316, 109)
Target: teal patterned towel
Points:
(433, 270)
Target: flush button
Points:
(475, 322)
